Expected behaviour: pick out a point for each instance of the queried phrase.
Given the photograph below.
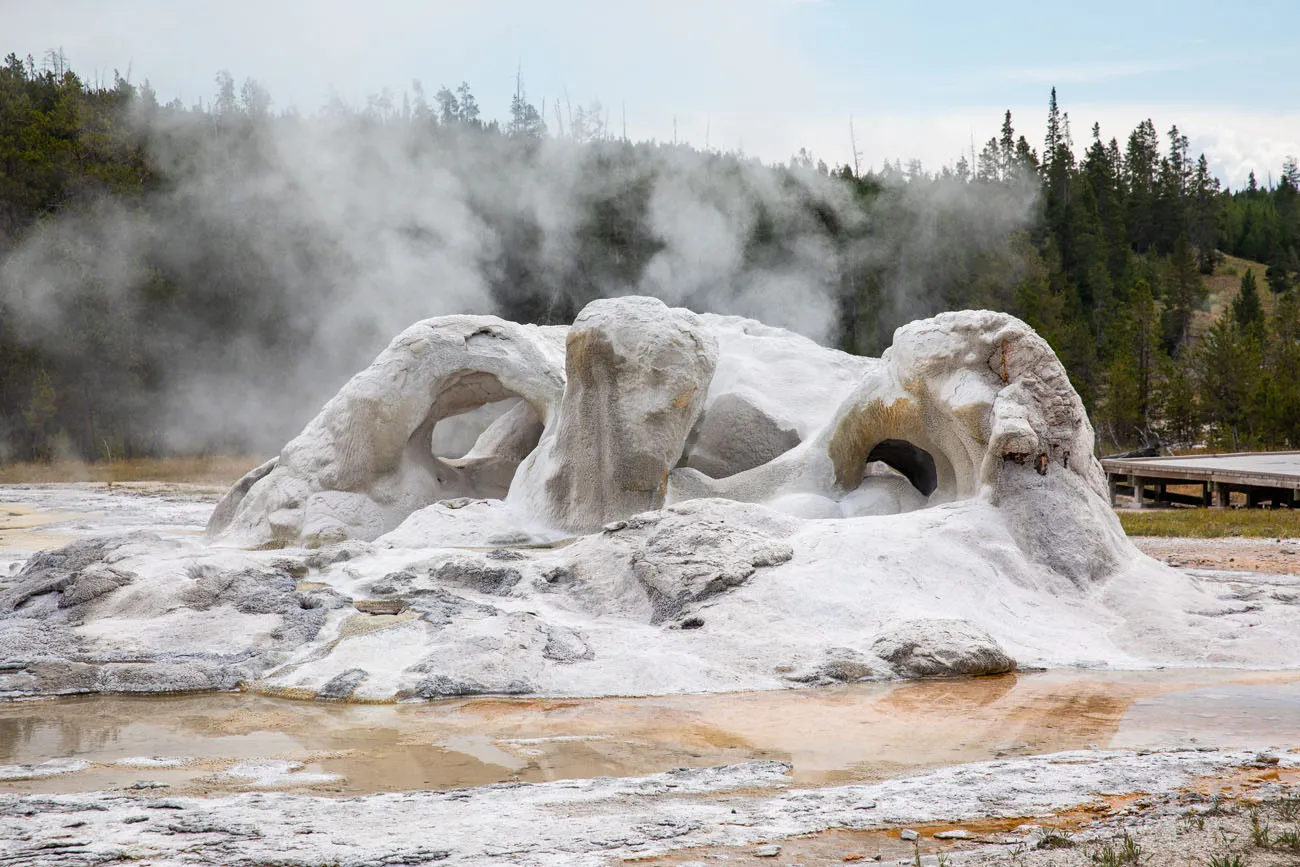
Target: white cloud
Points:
(1087, 73)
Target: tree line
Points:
(1105, 251)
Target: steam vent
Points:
(647, 501)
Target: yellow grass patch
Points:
(213, 470)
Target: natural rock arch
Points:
(621, 412)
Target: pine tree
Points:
(448, 107)
(1058, 164)
(38, 413)
(1141, 166)
(1204, 209)
(1144, 345)
(226, 104)
(1053, 138)
(525, 121)
(1185, 293)
(1169, 213)
(1227, 367)
(1247, 312)
(1179, 406)
(1007, 149)
(988, 168)
(468, 113)
(1277, 277)
(962, 169)
(1133, 394)
(1282, 382)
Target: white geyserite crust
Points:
(812, 566)
(579, 822)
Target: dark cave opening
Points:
(912, 461)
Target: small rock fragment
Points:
(342, 685)
(909, 835)
(771, 850)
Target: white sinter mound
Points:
(658, 501)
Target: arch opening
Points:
(454, 436)
(914, 462)
(473, 438)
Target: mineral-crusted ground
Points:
(934, 512)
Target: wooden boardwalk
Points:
(1263, 477)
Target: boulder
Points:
(941, 648)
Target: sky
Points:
(763, 77)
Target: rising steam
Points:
(314, 240)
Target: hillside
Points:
(1223, 286)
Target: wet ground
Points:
(39, 517)
(217, 743)
(23, 528)
(214, 744)
(1231, 554)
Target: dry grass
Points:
(1213, 523)
(1223, 286)
(214, 470)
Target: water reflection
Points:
(859, 732)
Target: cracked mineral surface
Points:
(646, 506)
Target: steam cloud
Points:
(337, 231)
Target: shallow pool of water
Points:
(839, 734)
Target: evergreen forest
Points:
(185, 279)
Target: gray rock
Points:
(58, 571)
(732, 436)
(842, 665)
(941, 648)
(25, 638)
(337, 553)
(444, 686)
(692, 554)
(909, 835)
(440, 606)
(505, 554)
(555, 578)
(197, 675)
(247, 591)
(341, 686)
(17, 683)
(478, 575)
(565, 645)
(771, 850)
(252, 591)
(63, 677)
(92, 582)
(393, 584)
